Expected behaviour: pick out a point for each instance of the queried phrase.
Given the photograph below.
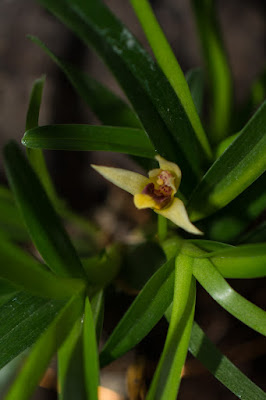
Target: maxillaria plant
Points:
(55, 306)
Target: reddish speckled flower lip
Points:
(156, 192)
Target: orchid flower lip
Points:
(156, 192)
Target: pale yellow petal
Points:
(154, 173)
(177, 213)
(142, 200)
(129, 181)
(170, 166)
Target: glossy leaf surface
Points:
(148, 90)
(90, 138)
(237, 168)
(241, 262)
(43, 350)
(221, 367)
(170, 66)
(228, 298)
(22, 319)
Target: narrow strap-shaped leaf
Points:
(170, 66)
(22, 319)
(147, 88)
(146, 310)
(107, 106)
(90, 138)
(43, 224)
(35, 103)
(166, 380)
(27, 274)
(78, 360)
(90, 354)
(240, 165)
(221, 367)
(217, 66)
(247, 261)
(43, 350)
(71, 377)
(209, 245)
(195, 80)
(228, 298)
(97, 307)
(36, 156)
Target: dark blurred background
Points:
(21, 62)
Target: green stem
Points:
(162, 228)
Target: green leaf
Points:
(217, 66)
(90, 138)
(108, 107)
(166, 380)
(43, 350)
(35, 156)
(97, 307)
(209, 245)
(195, 80)
(240, 165)
(22, 319)
(241, 262)
(146, 310)
(147, 88)
(7, 291)
(35, 104)
(43, 224)
(239, 217)
(70, 366)
(228, 298)
(221, 367)
(90, 354)
(78, 361)
(11, 223)
(170, 66)
(21, 269)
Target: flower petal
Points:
(177, 213)
(129, 181)
(169, 166)
(144, 201)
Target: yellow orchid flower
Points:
(156, 192)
